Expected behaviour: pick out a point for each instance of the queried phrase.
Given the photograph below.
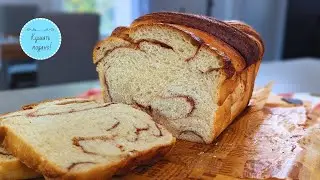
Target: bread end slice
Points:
(77, 139)
(12, 168)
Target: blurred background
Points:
(290, 29)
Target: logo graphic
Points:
(40, 38)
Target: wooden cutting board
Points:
(273, 140)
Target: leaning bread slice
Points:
(76, 138)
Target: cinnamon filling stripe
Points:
(33, 114)
(76, 140)
(228, 67)
(78, 163)
(239, 40)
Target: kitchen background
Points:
(290, 29)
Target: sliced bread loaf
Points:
(193, 74)
(77, 138)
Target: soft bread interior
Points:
(171, 74)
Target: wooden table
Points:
(9, 53)
(12, 52)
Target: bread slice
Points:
(10, 166)
(82, 139)
(193, 74)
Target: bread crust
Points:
(17, 170)
(233, 104)
(236, 38)
(247, 29)
(219, 29)
(120, 31)
(12, 168)
(229, 68)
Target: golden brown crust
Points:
(119, 31)
(245, 28)
(254, 35)
(14, 169)
(221, 30)
(31, 158)
(235, 45)
(231, 104)
(100, 50)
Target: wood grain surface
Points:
(12, 52)
(270, 140)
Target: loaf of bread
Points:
(82, 139)
(10, 166)
(193, 74)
